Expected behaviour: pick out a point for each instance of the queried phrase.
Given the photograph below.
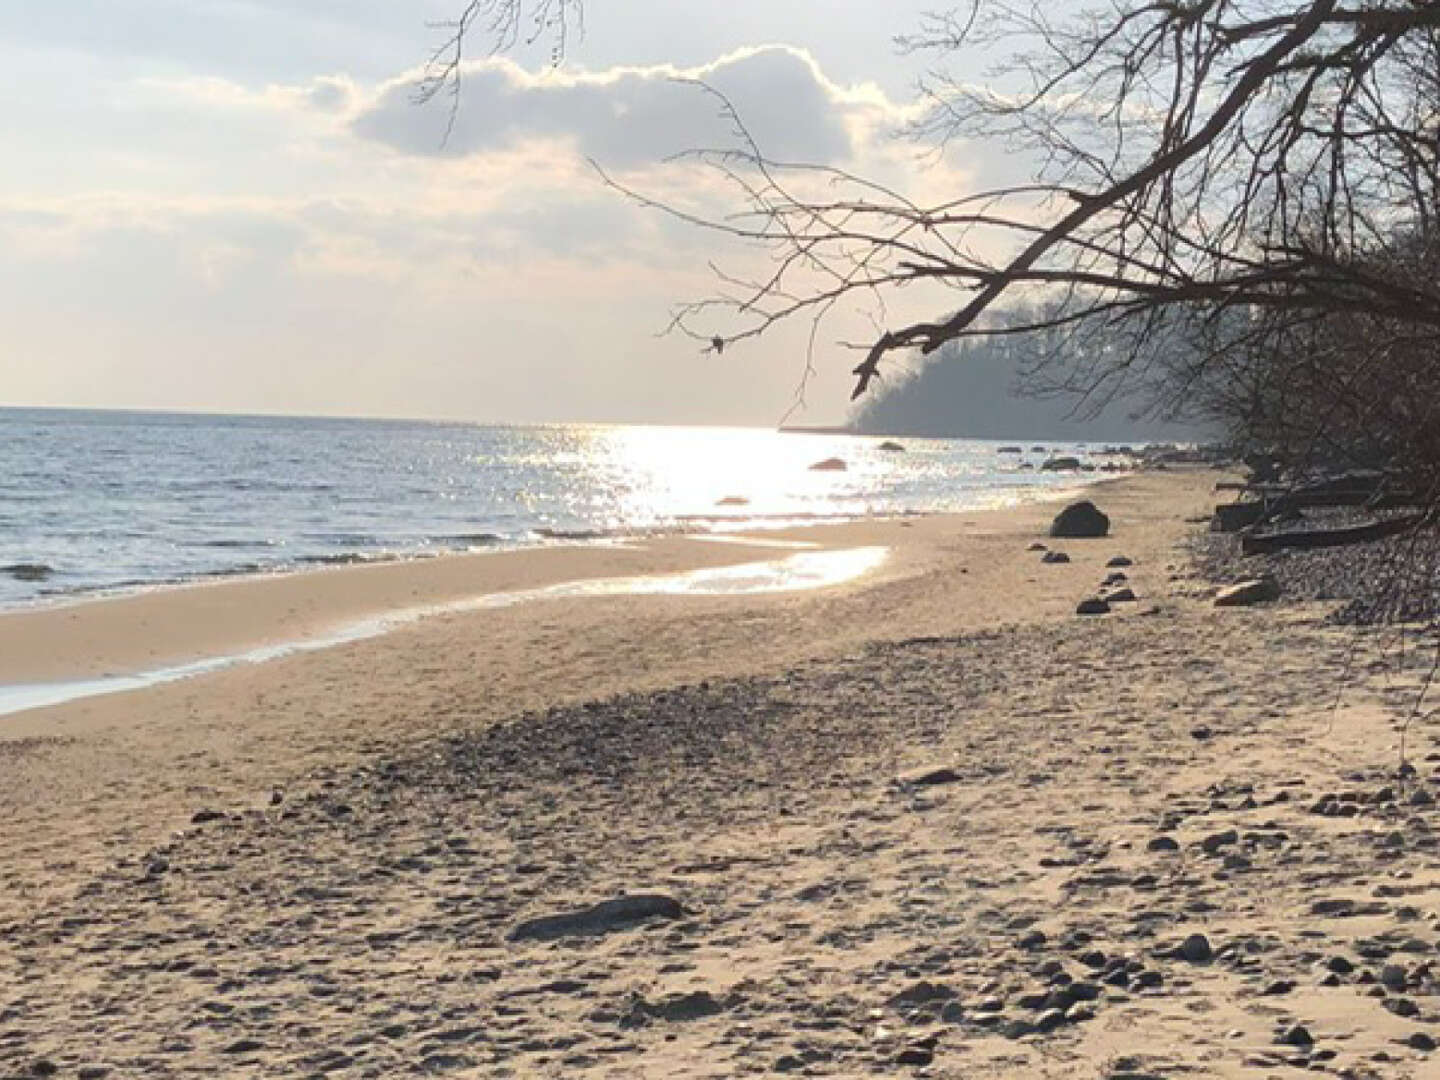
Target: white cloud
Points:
(629, 117)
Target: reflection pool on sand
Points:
(805, 570)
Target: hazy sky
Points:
(236, 205)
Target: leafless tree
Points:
(1263, 174)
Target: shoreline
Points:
(926, 822)
(94, 636)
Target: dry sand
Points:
(315, 865)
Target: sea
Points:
(96, 502)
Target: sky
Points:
(238, 206)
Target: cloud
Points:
(629, 117)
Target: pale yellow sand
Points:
(390, 815)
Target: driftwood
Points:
(1322, 538)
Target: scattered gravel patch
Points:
(1396, 579)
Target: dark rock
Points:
(1032, 1001)
(1145, 980)
(43, 1067)
(1009, 450)
(93, 1072)
(1119, 561)
(200, 817)
(832, 464)
(1119, 978)
(1080, 520)
(915, 1056)
(1278, 987)
(1298, 1035)
(679, 1008)
(1394, 976)
(930, 777)
(952, 1012)
(1017, 1029)
(1232, 517)
(1401, 1006)
(1037, 546)
(1125, 595)
(921, 993)
(1255, 591)
(1094, 960)
(244, 1046)
(1050, 1020)
(1196, 949)
(1036, 939)
(1061, 464)
(788, 1063)
(619, 914)
(1201, 733)
(1163, 843)
(1215, 841)
(1092, 605)
(891, 447)
(1420, 1041)
(1055, 557)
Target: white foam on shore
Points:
(809, 570)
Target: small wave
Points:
(24, 571)
(472, 538)
(572, 534)
(343, 558)
(239, 543)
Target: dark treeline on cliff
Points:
(1028, 387)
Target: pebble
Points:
(1036, 939)
(1196, 949)
(1420, 1041)
(1092, 605)
(1215, 841)
(1119, 560)
(915, 1056)
(1394, 976)
(1298, 1035)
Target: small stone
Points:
(1420, 1041)
(244, 1046)
(1092, 605)
(1055, 557)
(1035, 939)
(1050, 1020)
(929, 777)
(1215, 841)
(1120, 560)
(915, 1056)
(952, 1012)
(1196, 949)
(1394, 976)
(1255, 591)
(1163, 844)
(1017, 1029)
(1146, 980)
(1081, 519)
(201, 817)
(1340, 965)
(93, 1072)
(43, 1067)
(1037, 546)
(789, 1063)
(1122, 595)
(1278, 987)
(1298, 1035)
(1401, 1006)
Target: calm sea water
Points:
(114, 500)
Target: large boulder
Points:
(1080, 520)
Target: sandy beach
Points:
(926, 822)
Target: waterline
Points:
(808, 570)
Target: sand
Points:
(897, 818)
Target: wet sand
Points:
(924, 822)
